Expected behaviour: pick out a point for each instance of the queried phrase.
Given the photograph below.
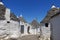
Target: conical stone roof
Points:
(22, 19)
(50, 14)
(35, 24)
(2, 14)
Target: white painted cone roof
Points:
(1, 3)
(53, 6)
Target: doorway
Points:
(22, 29)
(28, 30)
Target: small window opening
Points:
(46, 24)
(8, 21)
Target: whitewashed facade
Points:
(45, 32)
(55, 25)
(13, 27)
(9, 26)
(53, 20)
(27, 29)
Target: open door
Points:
(28, 30)
(22, 29)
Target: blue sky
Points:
(31, 9)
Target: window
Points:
(8, 21)
(46, 24)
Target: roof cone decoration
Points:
(1, 3)
(22, 19)
(53, 6)
(21, 15)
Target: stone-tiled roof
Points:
(2, 14)
(50, 14)
(35, 24)
(22, 19)
(13, 17)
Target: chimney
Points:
(7, 14)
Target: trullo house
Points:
(13, 27)
(52, 23)
(9, 23)
(35, 27)
(26, 28)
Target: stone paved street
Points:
(26, 37)
(30, 37)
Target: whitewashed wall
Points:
(25, 28)
(55, 24)
(9, 30)
(45, 32)
(32, 31)
(35, 31)
(12, 29)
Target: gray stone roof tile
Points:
(35, 24)
(22, 19)
(2, 14)
(50, 14)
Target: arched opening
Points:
(28, 30)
